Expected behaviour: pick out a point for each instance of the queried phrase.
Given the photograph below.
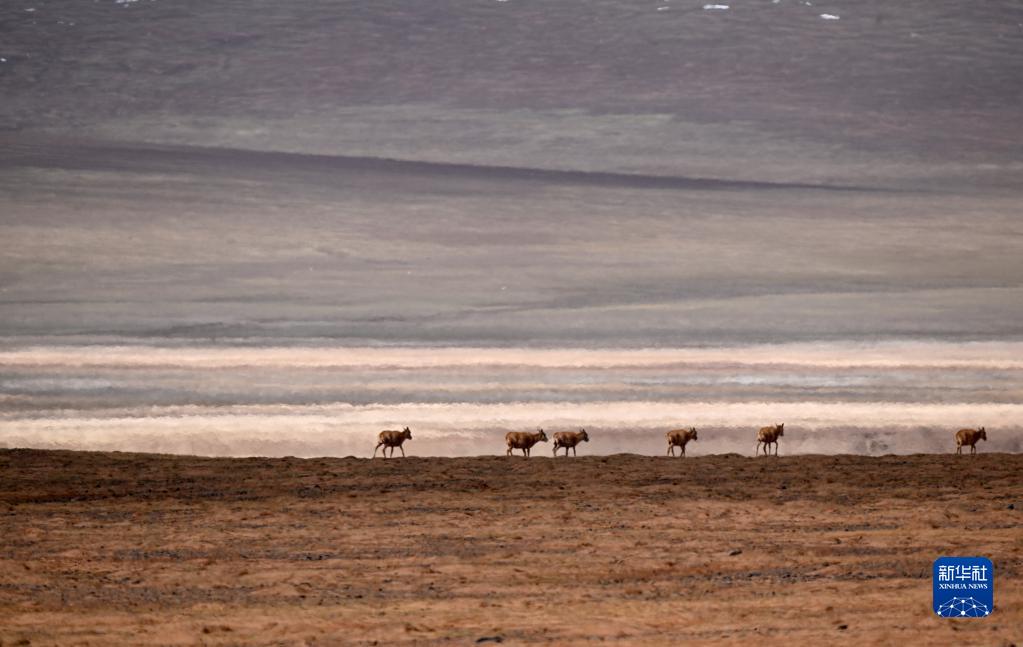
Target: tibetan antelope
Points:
(768, 435)
(569, 439)
(392, 439)
(969, 437)
(524, 440)
(679, 438)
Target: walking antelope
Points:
(524, 440)
(768, 435)
(969, 437)
(569, 439)
(679, 438)
(392, 439)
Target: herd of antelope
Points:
(525, 440)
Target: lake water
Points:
(869, 398)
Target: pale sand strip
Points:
(235, 425)
(839, 354)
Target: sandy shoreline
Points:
(108, 548)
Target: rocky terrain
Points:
(131, 548)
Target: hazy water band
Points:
(995, 354)
(834, 398)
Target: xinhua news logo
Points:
(964, 587)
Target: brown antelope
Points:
(569, 439)
(969, 437)
(679, 437)
(524, 440)
(768, 435)
(392, 439)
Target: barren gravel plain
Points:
(110, 548)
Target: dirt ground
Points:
(148, 549)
